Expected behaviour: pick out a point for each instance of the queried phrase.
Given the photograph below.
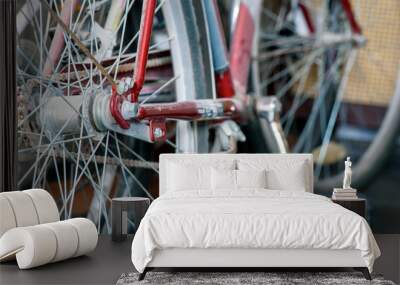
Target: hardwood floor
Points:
(110, 260)
(389, 262)
(103, 266)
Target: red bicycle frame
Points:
(236, 72)
(348, 9)
(193, 110)
(146, 26)
(241, 46)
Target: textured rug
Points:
(229, 278)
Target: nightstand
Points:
(120, 207)
(356, 205)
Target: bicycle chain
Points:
(123, 68)
(133, 163)
(81, 46)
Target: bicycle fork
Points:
(231, 75)
(130, 115)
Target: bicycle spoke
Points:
(310, 125)
(133, 176)
(122, 169)
(133, 152)
(55, 143)
(158, 91)
(102, 180)
(335, 110)
(123, 22)
(70, 155)
(299, 65)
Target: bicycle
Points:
(83, 113)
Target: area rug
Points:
(229, 278)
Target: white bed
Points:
(202, 225)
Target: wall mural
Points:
(100, 94)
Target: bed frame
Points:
(238, 259)
(249, 259)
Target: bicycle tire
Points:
(191, 59)
(375, 155)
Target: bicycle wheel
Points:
(336, 80)
(60, 144)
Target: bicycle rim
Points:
(59, 148)
(331, 93)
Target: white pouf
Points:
(7, 219)
(26, 208)
(23, 208)
(32, 246)
(45, 205)
(66, 238)
(87, 235)
(40, 244)
(31, 231)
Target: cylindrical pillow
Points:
(66, 238)
(26, 208)
(33, 246)
(41, 244)
(45, 205)
(23, 208)
(7, 218)
(87, 235)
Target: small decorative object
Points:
(347, 192)
(120, 207)
(347, 174)
(344, 194)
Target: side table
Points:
(356, 205)
(120, 207)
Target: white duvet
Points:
(250, 219)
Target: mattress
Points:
(250, 219)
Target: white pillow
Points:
(251, 178)
(278, 180)
(282, 173)
(183, 176)
(226, 179)
(223, 179)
